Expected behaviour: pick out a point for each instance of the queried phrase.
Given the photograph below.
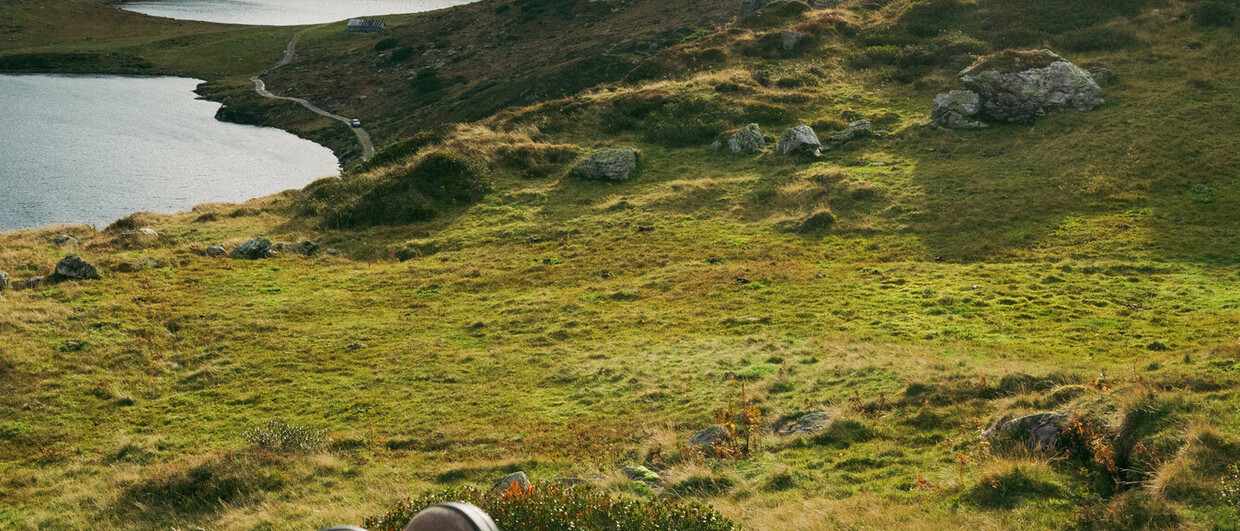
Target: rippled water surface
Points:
(85, 149)
(282, 12)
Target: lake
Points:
(92, 149)
(282, 12)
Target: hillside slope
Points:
(488, 311)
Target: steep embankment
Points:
(489, 311)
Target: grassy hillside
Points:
(1087, 264)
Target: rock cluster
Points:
(1017, 87)
(616, 164)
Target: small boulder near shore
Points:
(1017, 86)
(616, 164)
(253, 249)
(73, 267)
(65, 240)
(799, 140)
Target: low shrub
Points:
(700, 485)
(202, 488)
(280, 436)
(625, 112)
(1214, 13)
(386, 44)
(926, 18)
(1106, 38)
(688, 119)
(402, 54)
(549, 507)
(535, 159)
(400, 150)
(439, 181)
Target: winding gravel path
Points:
(363, 138)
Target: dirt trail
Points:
(290, 54)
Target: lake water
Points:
(88, 149)
(282, 12)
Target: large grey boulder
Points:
(4, 281)
(73, 267)
(711, 440)
(1021, 86)
(855, 130)
(519, 478)
(956, 110)
(608, 165)
(799, 140)
(253, 249)
(748, 139)
(1039, 431)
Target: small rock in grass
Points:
(65, 240)
(1101, 75)
(1039, 430)
(73, 267)
(30, 283)
(519, 478)
(855, 130)
(72, 345)
(790, 39)
(216, 251)
(253, 249)
(710, 440)
(799, 140)
(956, 109)
(305, 248)
(608, 165)
(749, 139)
(4, 281)
(641, 473)
(356, 346)
(807, 424)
